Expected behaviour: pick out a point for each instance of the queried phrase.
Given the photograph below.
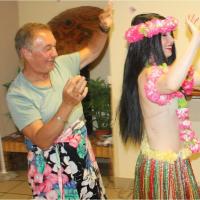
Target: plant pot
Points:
(99, 133)
(103, 137)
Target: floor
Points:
(18, 188)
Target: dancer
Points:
(153, 111)
(45, 103)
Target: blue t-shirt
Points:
(28, 103)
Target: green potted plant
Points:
(98, 106)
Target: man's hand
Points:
(99, 38)
(75, 90)
(105, 17)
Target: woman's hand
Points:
(193, 23)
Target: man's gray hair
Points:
(25, 35)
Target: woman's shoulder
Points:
(147, 71)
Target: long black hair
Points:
(138, 56)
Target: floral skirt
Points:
(164, 175)
(67, 170)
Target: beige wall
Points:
(125, 157)
(8, 58)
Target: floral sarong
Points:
(67, 170)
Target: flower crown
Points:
(150, 28)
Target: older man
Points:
(45, 104)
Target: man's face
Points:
(42, 52)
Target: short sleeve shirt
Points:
(28, 103)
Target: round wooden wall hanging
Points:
(74, 28)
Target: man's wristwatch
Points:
(60, 119)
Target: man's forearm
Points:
(51, 130)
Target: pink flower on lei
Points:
(182, 113)
(186, 124)
(187, 86)
(187, 135)
(151, 90)
(188, 83)
(195, 148)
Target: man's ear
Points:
(25, 53)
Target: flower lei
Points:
(186, 134)
(150, 28)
